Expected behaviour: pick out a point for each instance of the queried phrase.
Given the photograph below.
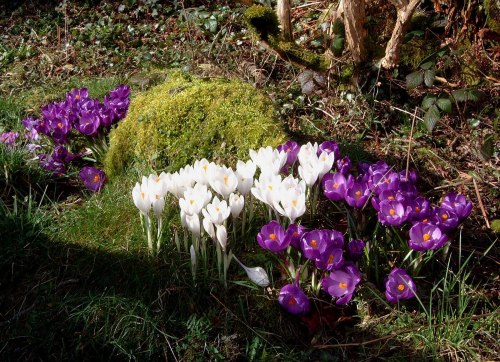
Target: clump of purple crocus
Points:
(399, 285)
(78, 116)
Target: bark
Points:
(405, 10)
(354, 20)
(283, 10)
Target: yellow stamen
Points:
(444, 216)
(358, 195)
(77, 97)
(60, 125)
(335, 185)
(272, 236)
(294, 203)
(390, 198)
(96, 178)
(401, 287)
(392, 212)
(191, 202)
(343, 285)
(142, 195)
(426, 237)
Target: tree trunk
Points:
(355, 19)
(405, 11)
(283, 10)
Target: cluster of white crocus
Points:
(147, 195)
(312, 167)
(286, 197)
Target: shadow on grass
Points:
(63, 301)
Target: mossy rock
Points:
(415, 51)
(188, 118)
(263, 21)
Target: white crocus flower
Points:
(309, 173)
(195, 199)
(202, 170)
(306, 152)
(193, 224)
(158, 205)
(292, 183)
(217, 211)
(268, 159)
(236, 203)
(257, 275)
(324, 164)
(141, 196)
(208, 226)
(294, 204)
(222, 236)
(223, 181)
(267, 189)
(158, 184)
(192, 252)
(245, 171)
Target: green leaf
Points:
(428, 101)
(488, 147)
(444, 104)
(429, 76)
(427, 65)
(431, 117)
(413, 80)
(464, 95)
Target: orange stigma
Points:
(342, 285)
(96, 178)
(272, 236)
(392, 212)
(426, 237)
(314, 243)
(401, 287)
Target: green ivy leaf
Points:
(429, 76)
(444, 104)
(338, 45)
(428, 101)
(413, 80)
(431, 117)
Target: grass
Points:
(76, 281)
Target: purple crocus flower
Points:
(344, 165)
(88, 123)
(292, 150)
(272, 237)
(355, 249)
(357, 193)
(412, 176)
(9, 139)
(446, 219)
(329, 147)
(334, 186)
(314, 243)
(458, 204)
(390, 195)
(118, 101)
(77, 95)
(334, 238)
(420, 209)
(294, 234)
(341, 283)
(49, 164)
(393, 212)
(61, 154)
(426, 236)
(293, 299)
(399, 285)
(60, 129)
(331, 258)
(92, 178)
(381, 181)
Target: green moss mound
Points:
(187, 118)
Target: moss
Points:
(415, 51)
(492, 11)
(495, 226)
(185, 118)
(263, 21)
(297, 55)
(346, 73)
